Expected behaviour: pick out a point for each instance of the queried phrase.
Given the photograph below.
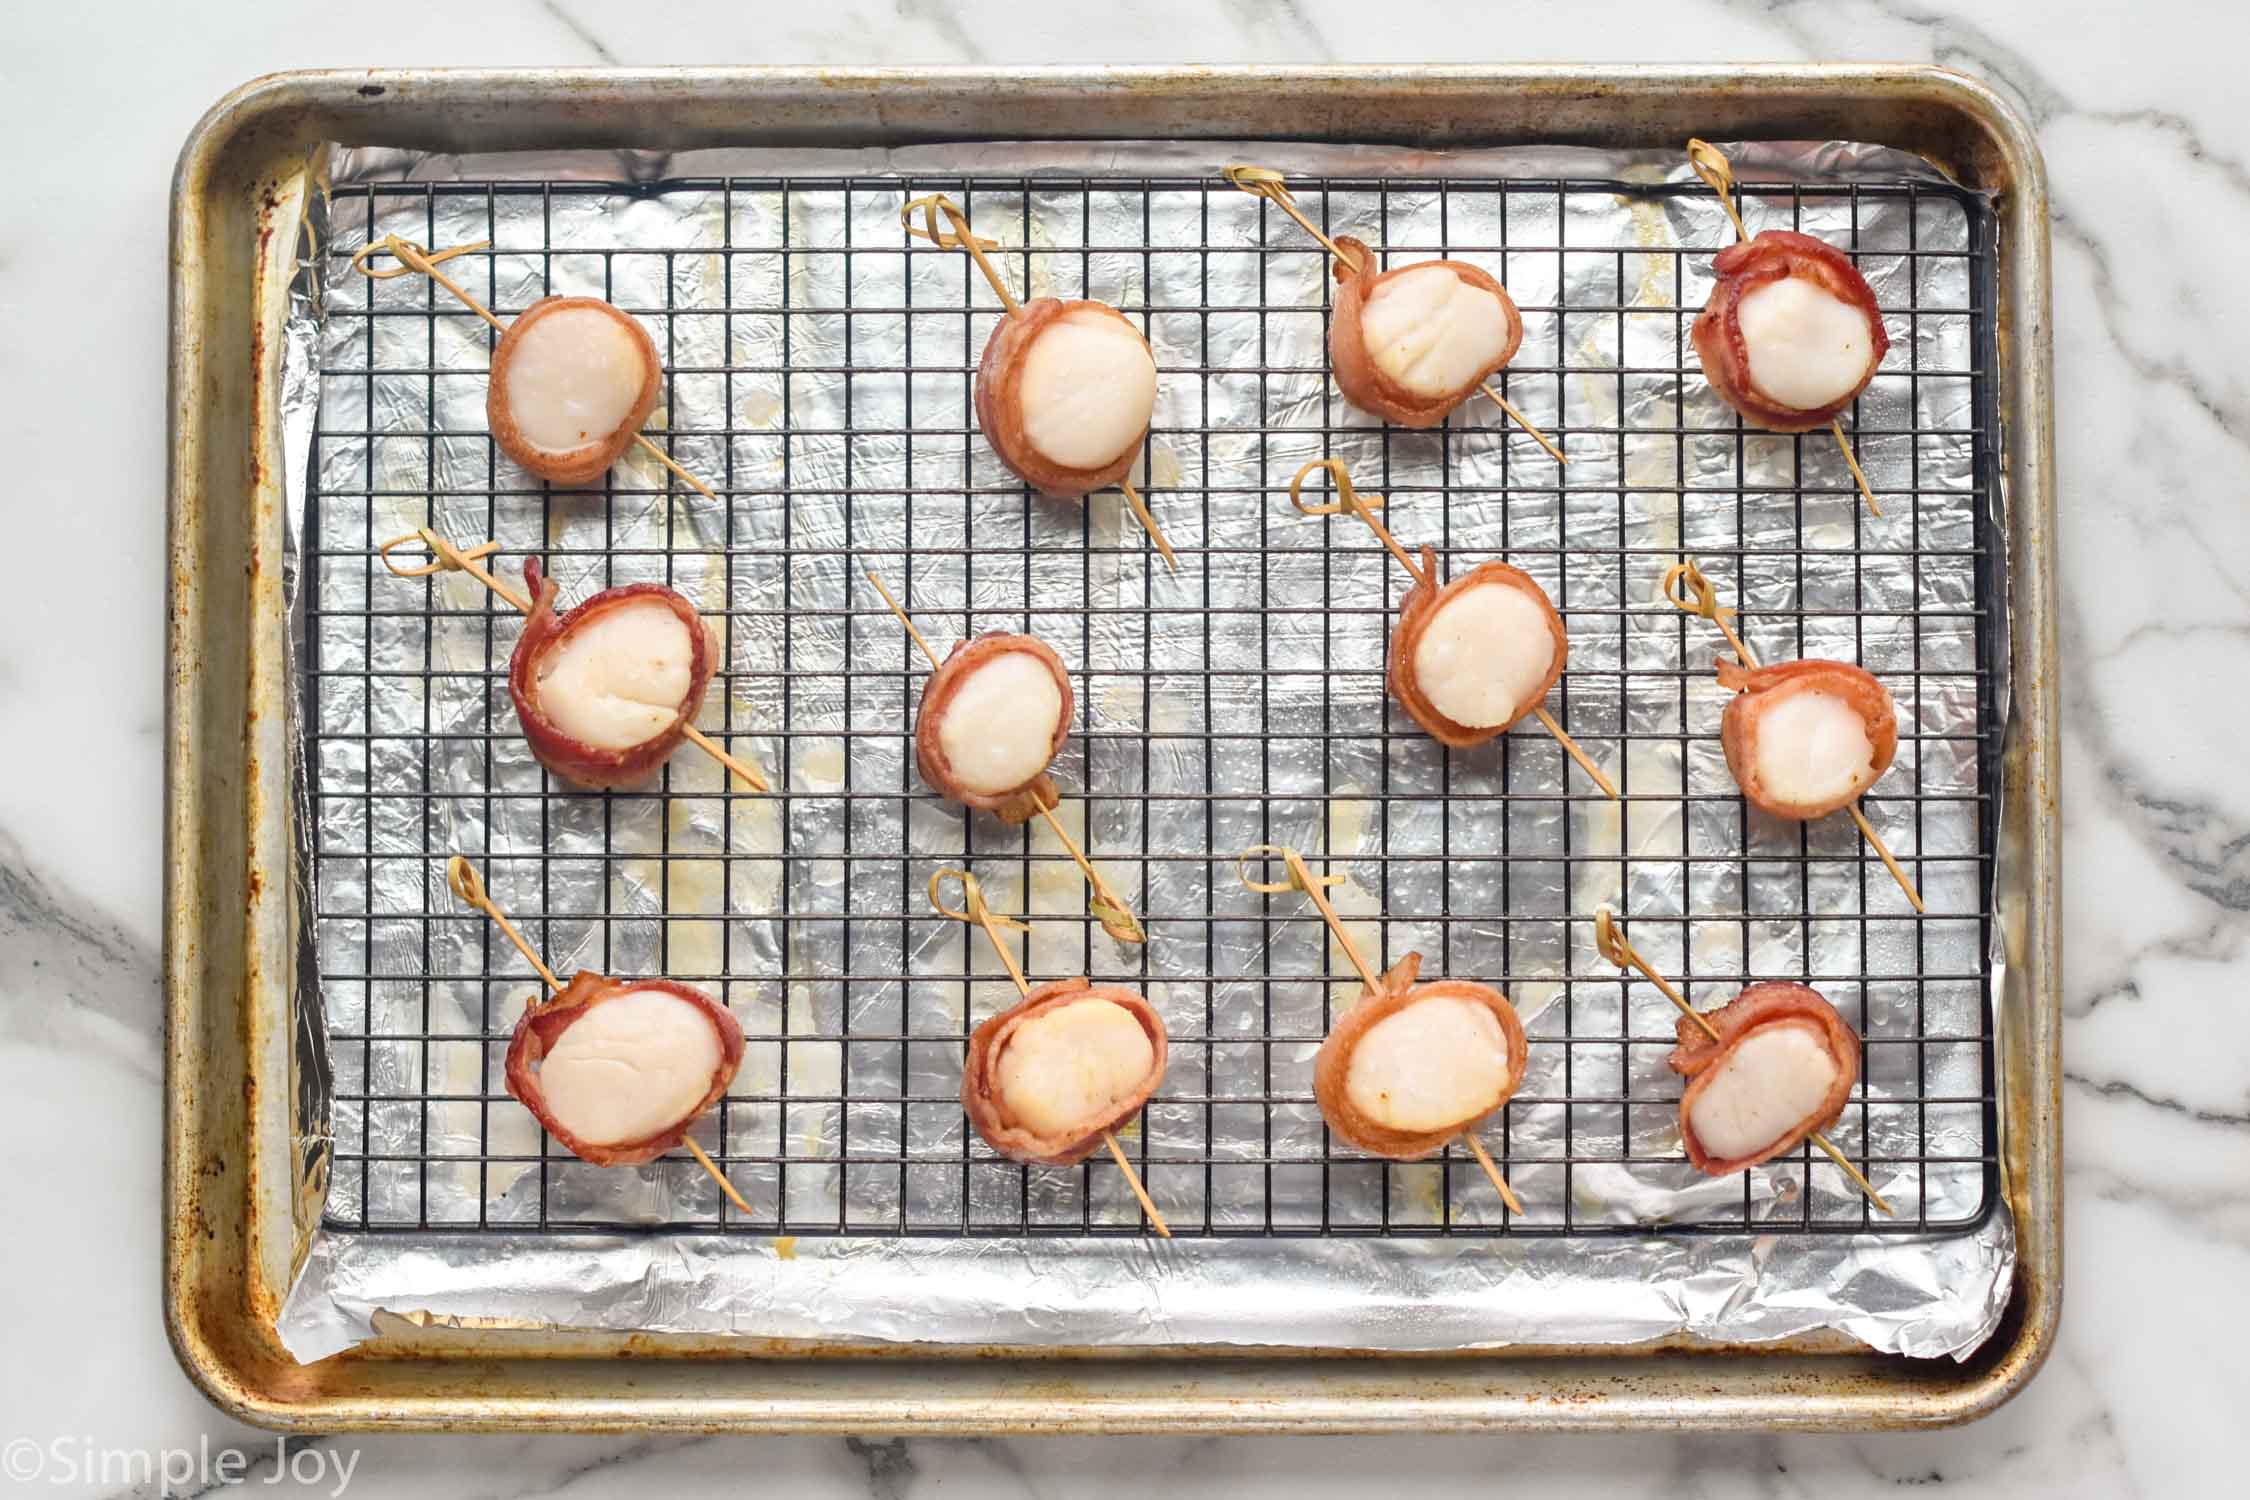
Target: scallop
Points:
(1772, 1080)
(1807, 348)
(617, 680)
(1088, 389)
(1483, 654)
(1070, 1064)
(632, 1067)
(1431, 332)
(998, 729)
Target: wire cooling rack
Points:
(818, 374)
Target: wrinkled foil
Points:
(443, 1201)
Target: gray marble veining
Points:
(2138, 109)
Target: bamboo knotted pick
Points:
(1115, 914)
(1711, 164)
(960, 238)
(976, 912)
(1685, 588)
(1350, 501)
(1301, 878)
(1610, 942)
(412, 257)
(449, 558)
(1266, 183)
(462, 877)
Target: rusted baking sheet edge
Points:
(229, 944)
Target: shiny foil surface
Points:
(818, 375)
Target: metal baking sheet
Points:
(1446, 1219)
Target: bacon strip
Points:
(990, 1115)
(541, 1027)
(1761, 1005)
(1758, 691)
(573, 759)
(1741, 269)
(1017, 803)
(999, 402)
(1414, 615)
(1357, 376)
(1332, 1064)
(589, 461)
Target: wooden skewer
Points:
(1492, 1173)
(452, 559)
(412, 257)
(1711, 164)
(1522, 421)
(1116, 916)
(1685, 588)
(1266, 183)
(1851, 460)
(1148, 523)
(469, 886)
(1883, 852)
(960, 238)
(973, 909)
(1350, 501)
(1610, 942)
(1301, 878)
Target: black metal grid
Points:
(846, 1120)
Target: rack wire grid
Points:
(818, 374)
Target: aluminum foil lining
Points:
(1199, 699)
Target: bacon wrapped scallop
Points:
(617, 1070)
(1411, 1066)
(606, 691)
(1805, 738)
(1046, 1077)
(1782, 1067)
(1471, 657)
(1064, 394)
(993, 717)
(1411, 344)
(573, 379)
(1791, 333)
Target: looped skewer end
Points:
(1259, 182)
(1350, 500)
(962, 238)
(958, 238)
(445, 557)
(1609, 942)
(1683, 579)
(1347, 498)
(1687, 590)
(1266, 183)
(1711, 164)
(452, 559)
(1301, 877)
(411, 258)
(973, 908)
(462, 879)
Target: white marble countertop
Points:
(2138, 109)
